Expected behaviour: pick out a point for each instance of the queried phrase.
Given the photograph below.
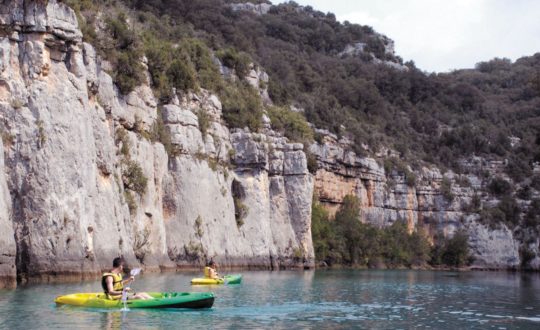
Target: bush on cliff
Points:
(347, 241)
(292, 124)
(242, 106)
(123, 49)
(233, 59)
(451, 251)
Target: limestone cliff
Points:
(84, 182)
(386, 198)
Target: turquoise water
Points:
(295, 300)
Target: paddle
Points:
(134, 272)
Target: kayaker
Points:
(210, 271)
(113, 283)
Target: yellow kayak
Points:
(161, 300)
(227, 279)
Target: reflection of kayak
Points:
(227, 279)
(162, 300)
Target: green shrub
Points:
(311, 158)
(518, 169)
(292, 124)
(532, 217)
(499, 187)
(160, 56)
(392, 164)
(204, 120)
(452, 252)
(322, 231)
(182, 75)
(242, 106)
(121, 136)
(348, 241)
(526, 255)
(492, 217)
(160, 133)
(506, 212)
(524, 192)
(133, 177)
(233, 59)
(125, 53)
(446, 189)
(200, 55)
(509, 206)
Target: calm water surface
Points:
(295, 300)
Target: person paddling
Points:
(113, 283)
(210, 271)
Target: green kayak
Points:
(227, 279)
(161, 300)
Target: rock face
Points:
(255, 215)
(257, 9)
(386, 198)
(7, 241)
(84, 180)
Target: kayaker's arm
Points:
(130, 279)
(110, 286)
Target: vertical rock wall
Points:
(385, 198)
(7, 240)
(242, 215)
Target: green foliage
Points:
(532, 217)
(346, 240)
(123, 49)
(133, 177)
(394, 164)
(160, 133)
(506, 212)
(452, 252)
(322, 232)
(233, 59)
(242, 106)
(182, 75)
(86, 22)
(446, 189)
(292, 124)
(121, 136)
(518, 169)
(184, 66)
(499, 187)
(204, 122)
(438, 118)
(526, 255)
(311, 158)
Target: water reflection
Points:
(112, 320)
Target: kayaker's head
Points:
(211, 263)
(118, 263)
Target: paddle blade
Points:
(135, 271)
